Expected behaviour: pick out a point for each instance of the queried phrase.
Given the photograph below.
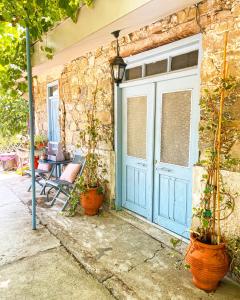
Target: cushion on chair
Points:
(44, 167)
(71, 172)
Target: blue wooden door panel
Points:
(53, 122)
(137, 169)
(173, 181)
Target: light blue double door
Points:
(160, 123)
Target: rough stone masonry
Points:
(78, 78)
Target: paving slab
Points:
(50, 275)
(158, 278)
(33, 264)
(129, 262)
(17, 238)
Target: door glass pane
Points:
(175, 135)
(156, 67)
(185, 60)
(133, 73)
(136, 126)
(53, 91)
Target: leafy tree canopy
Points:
(39, 16)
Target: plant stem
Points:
(218, 144)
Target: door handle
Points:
(164, 169)
(141, 164)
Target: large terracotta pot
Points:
(91, 201)
(208, 264)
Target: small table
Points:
(56, 166)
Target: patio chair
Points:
(65, 184)
(41, 175)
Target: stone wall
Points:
(79, 77)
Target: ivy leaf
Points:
(207, 213)
(205, 223)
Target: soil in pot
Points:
(91, 201)
(208, 264)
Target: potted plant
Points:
(207, 255)
(40, 141)
(91, 186)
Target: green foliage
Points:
(91, 139)
(206, 212)
(209, 121)
(12, 60)
(13, 115)
(6, 142)
(233, 247)
(175, 242)
(40, 138)
(40, 16)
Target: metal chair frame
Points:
(62, 186)
(40, 175)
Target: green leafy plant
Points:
(40, 139)
(11, 143)
(39, 16)
(233, 247)
(13, 116)
(217, 199)
(91, 138)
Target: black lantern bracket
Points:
(118, 64)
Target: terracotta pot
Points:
(36, 159)
(91, 201)
(40, 146)
(208, 264)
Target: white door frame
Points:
(176, 48)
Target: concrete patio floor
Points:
(123, 258)
(33, 264)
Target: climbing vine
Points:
(217, 200)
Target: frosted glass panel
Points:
(185, 60)
(176, 110)
(133, 73)
(157, 67)
(136, 126)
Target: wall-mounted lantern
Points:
(118, 64)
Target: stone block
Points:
(181, 15)
(104, 117)
(73, 126)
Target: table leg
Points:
(52, 170)
(60, 170)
